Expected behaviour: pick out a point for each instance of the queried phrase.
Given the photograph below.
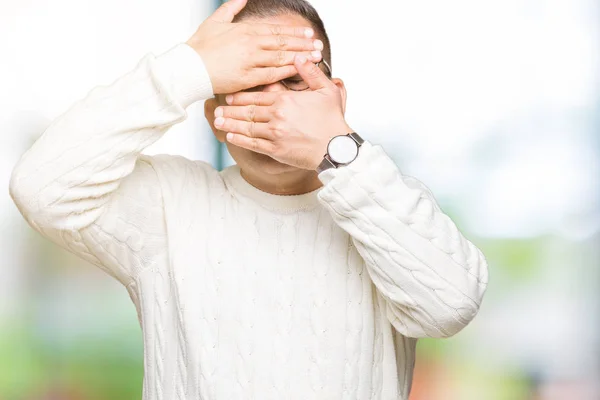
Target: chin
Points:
(270, 166)
(259, 162)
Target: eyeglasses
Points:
(297, 84)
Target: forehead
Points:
(282, 19)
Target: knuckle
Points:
(271, 75)
(276, 29)
(282, 41)
(246, 68)
(313, 70)
(279, 113)
(254, 144)
(251, 129)
(277, 135)
(257, 97)
(275, 148)
(278, 129)
(280, 58)
(251, 112)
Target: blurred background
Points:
(494, 105)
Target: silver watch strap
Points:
(325, 164)
(356, 138)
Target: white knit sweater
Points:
(242, 294)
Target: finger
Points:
(250, 129)
(311, 74)
(275, 29)
(257, 145)
(228, 11)
(268, 75)
(292, 43)
(281, 58)
(248, 98)
(245, 113)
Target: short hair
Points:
(271, 8)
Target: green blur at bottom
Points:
(30, 369)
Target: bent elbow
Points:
(22, 194)
(49, 208)
(431, 322)
(450, 325)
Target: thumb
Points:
(310, 73)
(228, 10)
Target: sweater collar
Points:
(282, 203)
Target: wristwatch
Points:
(341, 150)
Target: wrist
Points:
(183, 73)
(340, 128)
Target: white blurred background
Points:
(494, 104)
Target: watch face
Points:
(342, 149)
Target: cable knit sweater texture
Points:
(242, 294)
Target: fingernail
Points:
(308, 32)
(219, 121)
(318, 45)
(316, 54)
(229, 136)
(229, 98)
(302, 59)
(219, 112)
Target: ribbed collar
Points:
(280, 203)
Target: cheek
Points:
(241, 155)
(220, 136)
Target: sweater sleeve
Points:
(84, 183)
(432, 278)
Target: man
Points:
(266, 280)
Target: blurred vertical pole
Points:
(596, 141)
(200, 10)
(220, 147)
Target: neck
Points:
(287, 183)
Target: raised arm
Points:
(84, 184)
(86, 161)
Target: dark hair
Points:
(271, 8)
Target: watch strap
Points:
(356, 138)
(325, 164)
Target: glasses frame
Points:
(328, 73)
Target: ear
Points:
(340, 84)
(210, 106)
